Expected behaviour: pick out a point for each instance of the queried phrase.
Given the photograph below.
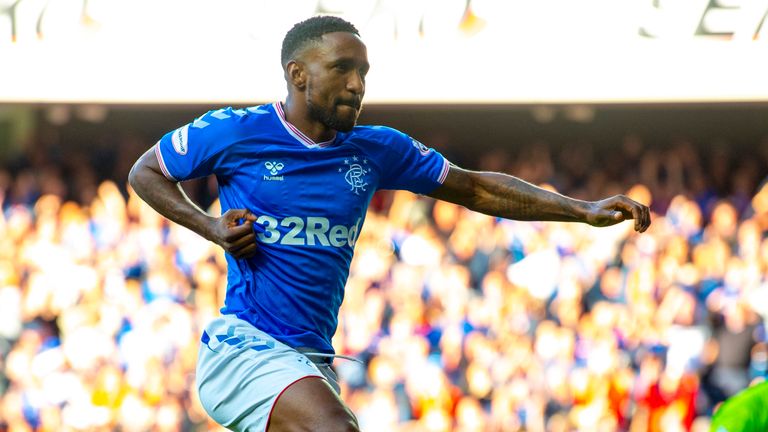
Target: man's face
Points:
(336, 70)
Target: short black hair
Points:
(312, 29)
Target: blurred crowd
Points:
(463, 322)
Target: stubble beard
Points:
(328, 116)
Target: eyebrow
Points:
(349, 61)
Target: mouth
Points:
(356, 104)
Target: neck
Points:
(298, 115)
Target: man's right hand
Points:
(233, 231)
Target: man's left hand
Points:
(619, 208)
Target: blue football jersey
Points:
(310, 200)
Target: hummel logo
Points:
(274, 168)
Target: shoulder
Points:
(220, 128)
(230, 117)
(387, 140)
(375, 136)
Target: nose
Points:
(356, 83)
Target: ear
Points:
(296, 74)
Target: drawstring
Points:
(332, 356)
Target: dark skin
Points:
(326, 85)
(509, 197)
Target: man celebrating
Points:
(295, 180)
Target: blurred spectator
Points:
(464, 322)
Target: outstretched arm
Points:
(168, 199)
(509, 197)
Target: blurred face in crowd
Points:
(332, 73)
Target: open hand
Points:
(619, 208)
(233, 231)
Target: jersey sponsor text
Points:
(309, 231)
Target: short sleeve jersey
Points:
(310, 200)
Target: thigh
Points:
(311, 404)
(241, 371)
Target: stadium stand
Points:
(463, 322)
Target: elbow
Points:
(473, 194)
(142, 170)
(133, 176)
(139, 177)
(483, 200)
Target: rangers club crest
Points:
(355, 174)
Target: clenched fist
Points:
(233, 231)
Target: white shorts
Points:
(241, 371)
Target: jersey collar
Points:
(296, 133)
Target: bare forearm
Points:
(509, 197)
(512, 198)
(167, 198)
